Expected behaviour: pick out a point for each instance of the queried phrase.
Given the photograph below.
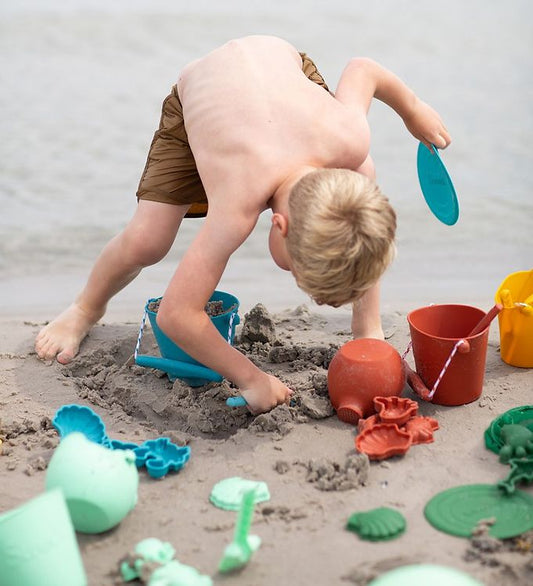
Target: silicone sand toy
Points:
(148, 550)
(421, 429)
(153, 562)
(69, 418)
(359, 371)
(511, 437)
(518, 415)
(395, 409)
(394, 428)
(383, 441)
(176, 573)
(100, 485)
(160, 456)
(38, 545)
(378, 524)
(521, 472)
(517, 442)
(222, 309)
(458, 510)
(238, 553)
(424, 575)
(227, 494)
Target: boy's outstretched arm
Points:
(364, 79)
(182, 315)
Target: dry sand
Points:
(303, 452)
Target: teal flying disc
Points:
(436, 185)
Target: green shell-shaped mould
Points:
(377, 524)
(458, 510)
(227, 494)
(519, 415)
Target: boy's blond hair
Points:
(341, 235)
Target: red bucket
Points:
(435, 332)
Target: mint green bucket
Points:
(38, 544)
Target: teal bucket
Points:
(177, 363)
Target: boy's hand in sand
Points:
(266, 394)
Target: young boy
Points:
(252, 126)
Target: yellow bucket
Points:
(516, 319)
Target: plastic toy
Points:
(518, 415)
(521, 472)
(436, 185)
(424, 574)
(177, 573)
(516, 319)
(421, 429)
(393, 412)
(449, 360)
(100, 485)
(238, 553)
(174, 361)
(378, 524)
(517, 442)
(239, 401)
(361, 370)
(164, 570)
(383, 440)
(458, 510)
(69, 418)
(160, 456)
(38, 544)
(395, 409)
(227, 494)
(147, 550)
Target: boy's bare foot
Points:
(62, 337)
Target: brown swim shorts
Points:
(170, 174)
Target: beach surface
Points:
(304, 454)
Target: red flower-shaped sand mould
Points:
(395, 409)
(421, 429)
(383, 440)
(395, 419)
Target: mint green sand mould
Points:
(228, 493)
(153, 563)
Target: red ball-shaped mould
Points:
(361, 370)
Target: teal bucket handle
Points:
(178, 369)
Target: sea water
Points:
(82, 83)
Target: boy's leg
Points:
(366, 319)
(146, 240)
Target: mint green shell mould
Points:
(378, 524)
(227, 494)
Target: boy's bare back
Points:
(252, 117)
(256, 125)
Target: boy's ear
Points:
(281, 223)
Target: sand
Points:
(302, 451)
